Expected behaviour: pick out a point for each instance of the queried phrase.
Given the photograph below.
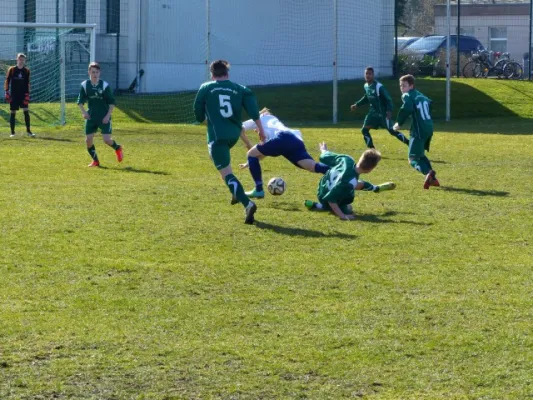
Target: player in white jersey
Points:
(280, 141)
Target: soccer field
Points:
(140, 280)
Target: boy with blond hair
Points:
(17, 92)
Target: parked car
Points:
(404, 41)
(431, 45)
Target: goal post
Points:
(57, 55)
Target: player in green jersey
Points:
(101, 102)
(380, 112)
(336, 189)
(221, 101)
(418, 107)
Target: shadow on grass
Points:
(375, 219)
(285, 206)
(301, 232)
(53, 139)
(136, 170)
(475, 192)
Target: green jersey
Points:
(377, 96)
(99, 97)
(418, 106)
(222, 103)
(338, 184)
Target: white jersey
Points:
(272, 127)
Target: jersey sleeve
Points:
(337, 192)
(250, 104)
(8, 79)
(386, 100)
(108, 96)
(27, 82)
(199, 105)
(329, 158)
(362, 101)
(406, 109)
(249, 125)
(82, 96)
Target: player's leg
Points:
(26, 112)
(90, 130)
(369, 187)
(419, 161)
(370, 122)
(397, 134)
(299, 156)
(254, 155)
(13, 106)
(107, 130)
(220, 154)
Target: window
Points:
(30, 13)
(113, 16)
(79, 11)
(498, 39)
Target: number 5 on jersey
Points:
(225, 106)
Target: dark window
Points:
(79, 9)
(30, 12)
(113, 16)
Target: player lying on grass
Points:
(418, 107)
(336, 189)
(380, 112)
(280, 141)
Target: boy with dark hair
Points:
(101, 104)
(17, 92)
(418, 107)
(380, 112)
(221, 101)
(336, 189)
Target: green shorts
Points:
(418, 146)
(219, 151)
(376, 121)
(92, 127)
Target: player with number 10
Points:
(418, 107)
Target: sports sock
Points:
(321, 168)
(427, 161)
(236, 189)
(27, 120)
(115, 145)
(319, 206)
(421, 165)
(255, 171)
(368, 187)
(398, 135)
(12, 123)
(92, 152)
(367, 137)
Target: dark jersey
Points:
(17, 81)
(338, 184)
(99, 97)
(222, 103)
(418, 107)
(377, 96)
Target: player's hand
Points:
(243, 166)
(347, 217)
(353, 107)
(323, 147)
(86, 115)
(26, 100)
(262, 137)
(389, 114)
(8, 97)
(106, 119)
(396, 127)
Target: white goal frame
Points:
(62, 73)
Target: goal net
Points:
(57, 56)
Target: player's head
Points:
(94, 71)
(368, 160)
(369, 74)
(21, 58)
(265, 111)
(219, 69)
(407, 82)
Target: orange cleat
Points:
(430, 177)
(120, 154)
(94, 164)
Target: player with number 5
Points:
(221, 101)
(418, 107)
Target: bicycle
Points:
(481, 65)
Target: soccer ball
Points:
(276, 186)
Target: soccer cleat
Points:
(311, 205)
(385, 186)
(31, 134)
(94, 164)
(12, 135)
(435, 182)
(249, 213)
(120, 154)
(430, 177)
(254, 194)
(234, 201)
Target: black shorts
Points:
(16, 103)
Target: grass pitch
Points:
(140, 281)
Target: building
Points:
(502, 26)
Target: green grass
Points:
(140, 281)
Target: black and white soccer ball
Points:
(276, 186)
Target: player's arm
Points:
(250, 105)
(26, 100)
(199, 105)
(245, 139)
(361, 102)
(82, 98)
(329, 158)
(405, 110)
(339, 213)
(110, 100)
(386, 100)
(7, 83)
